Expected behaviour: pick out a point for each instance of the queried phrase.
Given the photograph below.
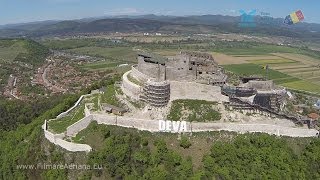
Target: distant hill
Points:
(165, 24)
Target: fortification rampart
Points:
(139, 75)
(129, 88)
(58, 140)
(79, 126)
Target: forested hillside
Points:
(123, 153)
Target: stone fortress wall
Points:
(178, 69)
(139, 75)
(153, 126)
(154, 70)
(129, 88)
(58, 140)
(186, 66)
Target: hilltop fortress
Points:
(157, 81)
(150, 79)
(255, 105)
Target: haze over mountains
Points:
(166, 24)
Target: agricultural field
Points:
(151, 39)
(107, 65)
(287, 64)
(303, 86)
(271, 61)
(294, 71)
(249, 69)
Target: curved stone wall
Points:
(57, 139)
(79, 126)
(129, 88)
(139, 75)
(156, 93)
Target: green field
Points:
(195, 110)
(303, 86)
(102, 65)
(278, 77)
(271, 61)
(285, 80)
(249, 49)
(254, 70)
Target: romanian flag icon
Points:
(294, 17)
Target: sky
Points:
(18, 11)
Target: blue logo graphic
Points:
(247, 18)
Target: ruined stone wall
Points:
(151, 69)
(86, 111)
(260, 85)
(193, 90)
(73, 147)
(178, 69)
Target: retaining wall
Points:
(57, 139)
(79, 126)
(74, 106)
(73, 147)
(193, 90)
(153, 126)
(129, 88)
(263, 128)
(140, 124)
(139, 75)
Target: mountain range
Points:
(165, 24)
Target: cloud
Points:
(123, 11)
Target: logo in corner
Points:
(247, 18)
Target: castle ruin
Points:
(155, 73)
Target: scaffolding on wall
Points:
(156, 93)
